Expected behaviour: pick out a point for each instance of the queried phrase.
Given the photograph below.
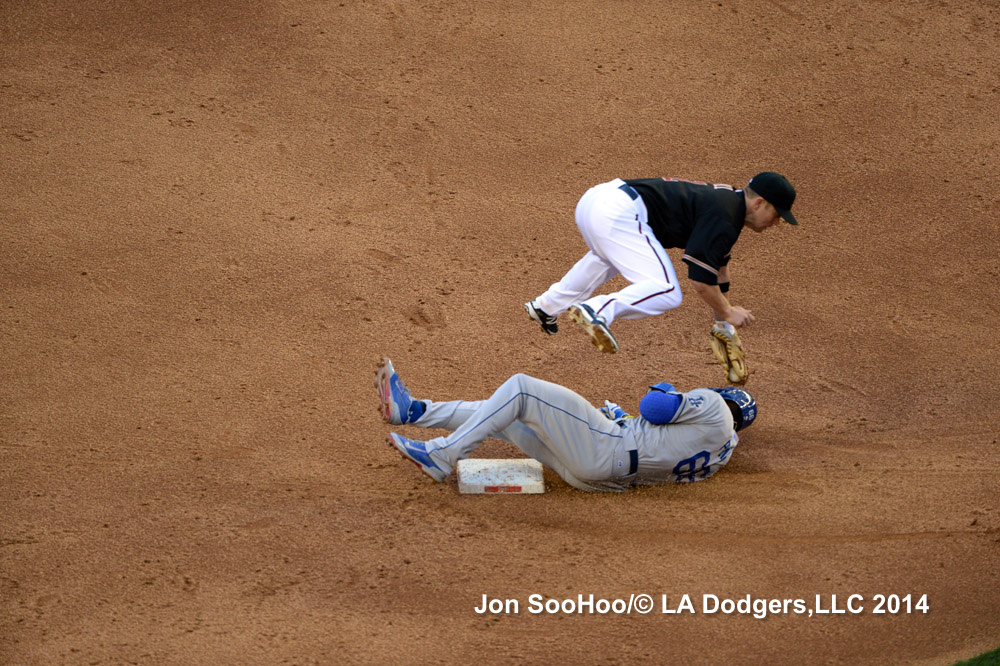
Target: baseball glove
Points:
(728, 349)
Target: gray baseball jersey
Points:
(693, 446)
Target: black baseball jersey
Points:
(703, 218)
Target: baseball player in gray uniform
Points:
(627, 226)
(677, 437)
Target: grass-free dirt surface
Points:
(217, 216)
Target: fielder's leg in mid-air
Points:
(615, 227)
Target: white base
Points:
(509, 476)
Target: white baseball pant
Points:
(616, 229)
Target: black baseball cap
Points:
(776, 191)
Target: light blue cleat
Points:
(397, 406)
(416, 452)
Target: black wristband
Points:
(723, 287)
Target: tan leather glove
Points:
(728, 349)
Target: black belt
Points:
(627, 189)
(633, 462)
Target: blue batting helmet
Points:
(744, 401)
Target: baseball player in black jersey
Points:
(628, 223)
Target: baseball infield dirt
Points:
(218, 216)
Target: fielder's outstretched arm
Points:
(713, 296)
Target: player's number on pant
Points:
(693, 468)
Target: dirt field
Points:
(217, 216)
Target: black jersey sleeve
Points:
(709, 249)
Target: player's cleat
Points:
(396, 404)
(544, 319)
(416, 452)
(598, 331)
